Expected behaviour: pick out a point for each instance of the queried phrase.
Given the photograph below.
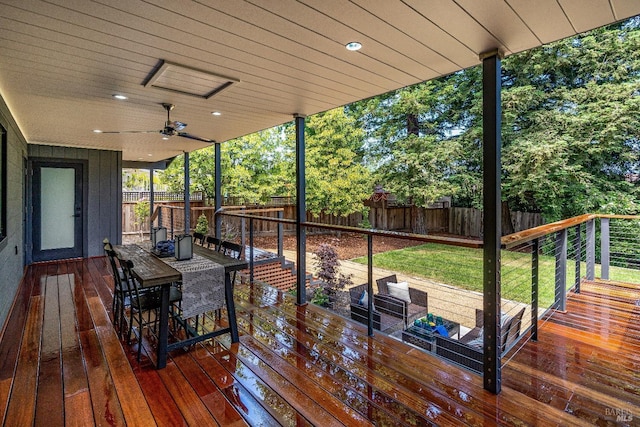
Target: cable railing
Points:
(539, 266)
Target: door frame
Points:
(80, 247)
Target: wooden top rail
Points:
(250, 211)
(508, 242)
(452, 241)
(533, 233)
(618, 216)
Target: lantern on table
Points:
(158, 234)
(184, 247)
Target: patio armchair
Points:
(414, 304)
(359, 310)
(466, 355)
(510, 330)
(467, 351)
(477, 330)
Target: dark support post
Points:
(280, 235)
(535, 256)
(301, 212)
(605, 242)
(243, 229)
(250, 250)
(370, 283)
(577, 248)
(151, 201)
(171, 210)
(187, 195)
(561, 270)
(492, 125)
(591, 249)
(217, 202)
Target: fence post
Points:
(577, 248)
(605, 241)
(534, 289)
(561, 270)
(171, 210)
(591, 249)
(280, 235)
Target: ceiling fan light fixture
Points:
(353, 46)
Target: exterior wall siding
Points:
(11, 250)
(103, 192)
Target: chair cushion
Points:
(399, 290)
(364, 298)
(477, 342)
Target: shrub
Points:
(203, 224)
(328, 266)
(320, 297)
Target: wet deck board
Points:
(63, 363)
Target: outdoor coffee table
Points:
(425, 338)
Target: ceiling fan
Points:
(171, 128)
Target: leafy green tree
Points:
(337, 181)
(258, 166)
(254, 167)
(570, 126)
(201, 172)
(570, 129)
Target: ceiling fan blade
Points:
(132, 131)
(197, 138)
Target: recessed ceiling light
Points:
(118, 96)
(97, 131)
(353, 46)
(216, 113)
(149, 155)
(165, 138)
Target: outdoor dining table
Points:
(151, 271)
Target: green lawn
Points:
(462, 267)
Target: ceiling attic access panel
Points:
(188, 81)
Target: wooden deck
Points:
(62, 364)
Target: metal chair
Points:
(213, 243)
(233, 250)
(198, 238)
(121, 297)
(144, 304)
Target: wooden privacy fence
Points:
(160, 196)
(132, 225)
(457, 221)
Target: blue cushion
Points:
(441, 330)
(364, 298)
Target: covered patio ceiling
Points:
(61, 61)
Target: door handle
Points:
(76, 215)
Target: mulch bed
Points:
(348, 245)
